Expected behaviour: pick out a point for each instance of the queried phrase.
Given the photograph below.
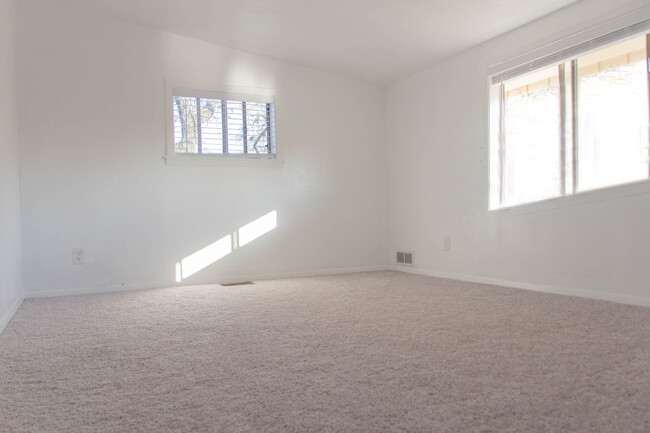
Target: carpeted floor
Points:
(372, 352)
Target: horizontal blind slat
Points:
(572, 52)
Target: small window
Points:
(213, 125)
(572, 122)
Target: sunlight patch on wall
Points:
(206, 256)
(179, 272)
(257, 228)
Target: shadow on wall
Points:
(210, 254)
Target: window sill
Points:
(582, 198)
(223, 161)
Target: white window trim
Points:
(229, 160)
(577, 198)
(580, 198)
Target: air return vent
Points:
(240, 283)
(405, 258)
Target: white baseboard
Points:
(224, 279)
(623, 299)
(613, 297)
(299, 274)
(6, 317)
(95, 290)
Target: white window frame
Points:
(219, 160)
(593, 38)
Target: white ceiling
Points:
(376, 40)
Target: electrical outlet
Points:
(77, 256)
(446, 243)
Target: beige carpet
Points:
(373, 352)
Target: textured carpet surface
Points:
(372, 352)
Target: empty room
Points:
(334, 216)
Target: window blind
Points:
(572, 52)
(219, 126)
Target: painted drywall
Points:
(92, 127)
(376, 40)
(10, 239)
(596, 244)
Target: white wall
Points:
(597, 244)
(92, 125)
(91, 120)
(10, 241)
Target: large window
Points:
(572, 122)
(221, 125)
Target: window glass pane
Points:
(185, 131)
(235, 127)
(211, 130)
(532, 159)
(226, 126)
(613, 115)
(256, 121)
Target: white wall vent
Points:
(405, 258)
